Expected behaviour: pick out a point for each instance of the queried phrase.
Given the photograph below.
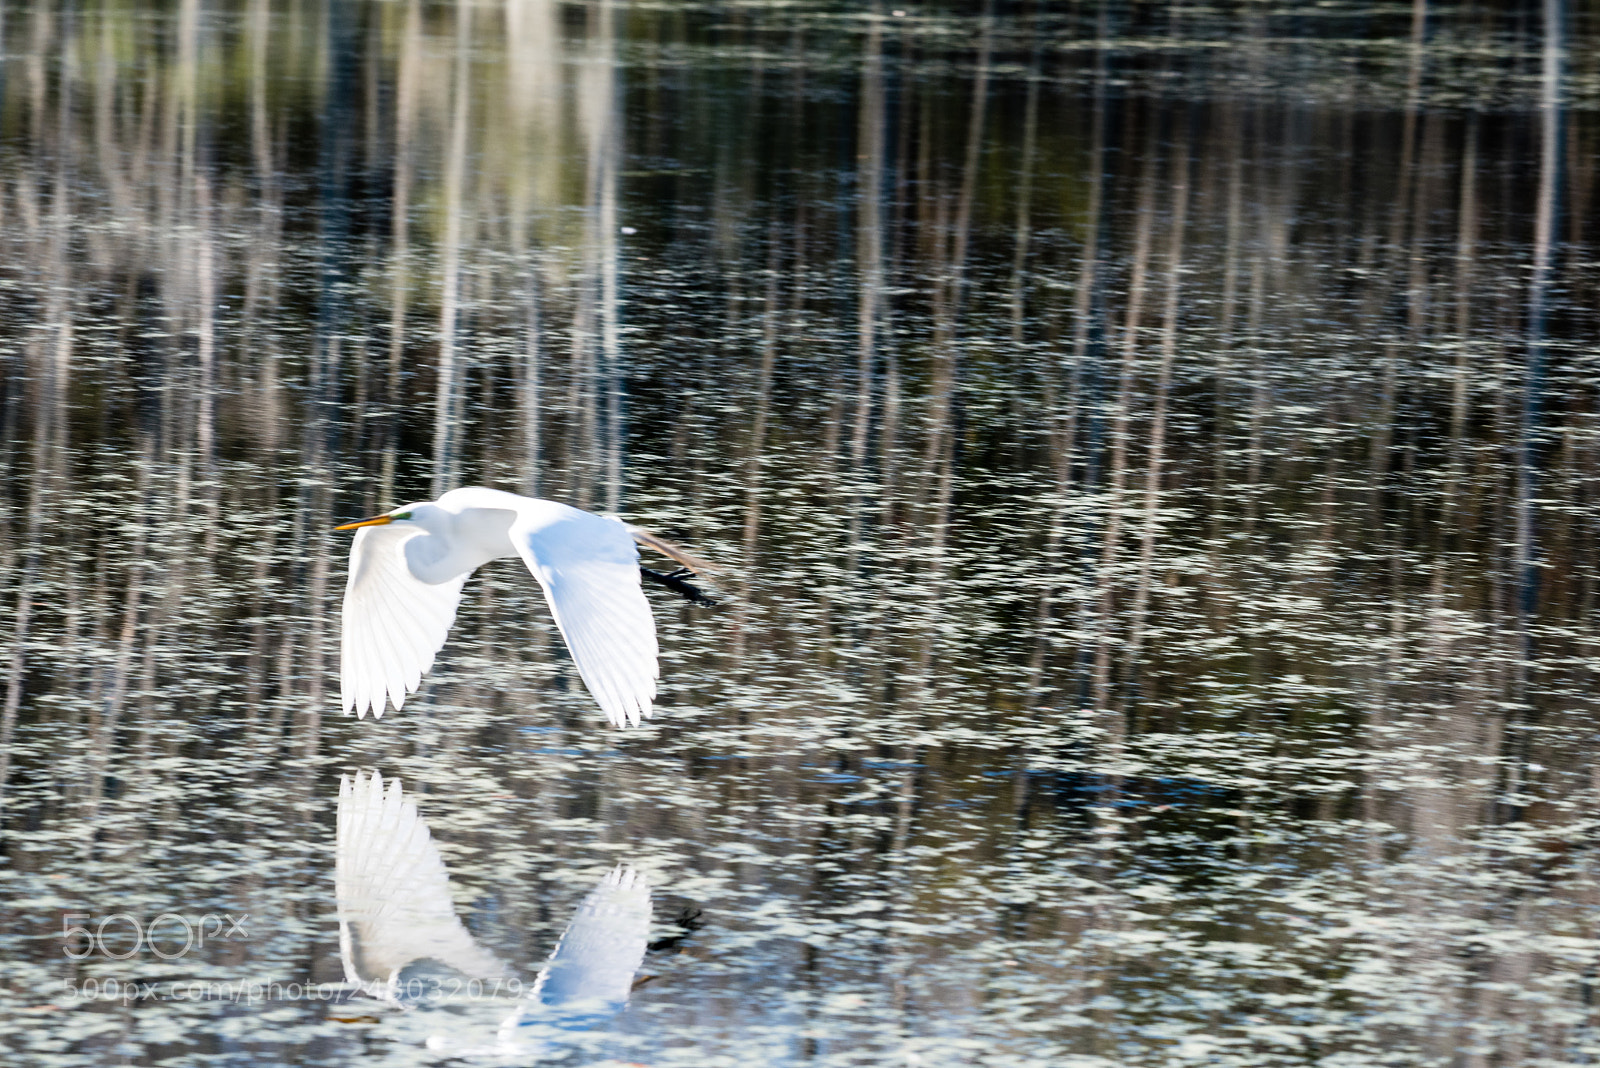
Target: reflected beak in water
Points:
(375, 521)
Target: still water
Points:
(1152, 454)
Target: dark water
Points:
(1153, 452)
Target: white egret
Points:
(408, 565)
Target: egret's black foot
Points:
(674, 581)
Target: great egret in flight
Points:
(407, 567)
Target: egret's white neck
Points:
(457, 541)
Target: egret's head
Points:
(399, 515)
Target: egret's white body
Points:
(406, 573)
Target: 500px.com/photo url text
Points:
(257, 991)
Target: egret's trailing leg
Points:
(674, 581)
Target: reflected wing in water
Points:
(585, 982)
(594, 963)
(589, 976)
(392, 624)
(394, 892)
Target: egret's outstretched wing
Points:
(392, 624)
(393, 891)
(589, 569)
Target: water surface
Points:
(1153, 453)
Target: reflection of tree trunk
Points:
(1466, 256)
(46, 484)
(310, 727)
(529, 394)
(1117, 473)
(758, 442)
(325, 435)
(446, 429)
(1258, 390)
(1158, 418)
(205, 297)
(758, 428)
(584, 444)
(939, 458)
(596, 385)
(23, 613)
(1064, 420)
(891, 493)
(400, 236)
(186, 97)
(1219, 601)
(1019, 254)
(109, 155)
(1398, 226)
(869, 267)
(1466, 242)
(106, 714)
(1526, 558)
(610, 296)
(535, 70)
(605, 153)
(261, 291)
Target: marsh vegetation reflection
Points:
(1154, 449)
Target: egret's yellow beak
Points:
(375, 521)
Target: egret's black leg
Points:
(674, 581)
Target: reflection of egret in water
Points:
(588, 977)
(408, 565)
(395, 913)
(394, 893)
